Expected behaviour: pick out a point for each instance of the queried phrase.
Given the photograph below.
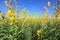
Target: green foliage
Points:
(50, 31)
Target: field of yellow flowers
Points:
(27, 27)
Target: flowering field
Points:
(28, 27)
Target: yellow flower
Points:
(56, 7)
(24, 14)
(13, 13)
(45, 18)
(58, 15)
(9, 11)
(42, 21)
(12, 19)
(38, 32)
(45, 21)
(48, 3)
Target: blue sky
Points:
(36, 6)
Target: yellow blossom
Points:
(24, 14)
(13, 13)
(12, 19)
(56, 7)
(45, 18)
(48, 3)
(59, 15)
(9, 11)
(38, 32)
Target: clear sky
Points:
(36, 6)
